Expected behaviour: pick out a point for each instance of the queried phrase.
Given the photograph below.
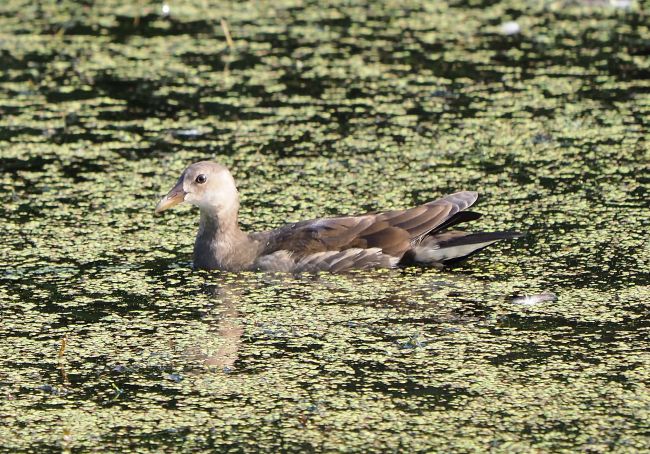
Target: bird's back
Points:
(371, 240)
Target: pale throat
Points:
(219, 219)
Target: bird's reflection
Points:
(218, 347)
(227, 332)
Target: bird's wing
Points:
(393, 232)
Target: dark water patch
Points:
(323, 110)
(222, 61)
(123, 27)
(138, 93)
(33, 164)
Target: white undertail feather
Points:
(433, 253)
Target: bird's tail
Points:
(454, 246)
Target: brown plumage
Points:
(415, 235)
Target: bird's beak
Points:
(175, 196)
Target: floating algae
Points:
(323, 109)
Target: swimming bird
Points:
(417, 235)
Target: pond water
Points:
(109, 341)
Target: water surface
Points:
(318, 110)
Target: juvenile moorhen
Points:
(387, 239)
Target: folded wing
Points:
(392, 232)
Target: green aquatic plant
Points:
(323, 109)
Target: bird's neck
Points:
(220, 243)
(220, 222)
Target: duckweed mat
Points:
(110, 342)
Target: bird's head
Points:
(205, 184)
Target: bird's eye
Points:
(201, 179)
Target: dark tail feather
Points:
(452, 247)
(462, 216)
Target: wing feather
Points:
(392, 233)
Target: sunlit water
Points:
(321, 110)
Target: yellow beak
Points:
(175, 196)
